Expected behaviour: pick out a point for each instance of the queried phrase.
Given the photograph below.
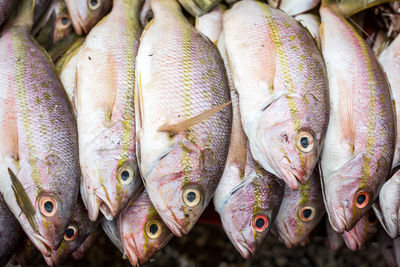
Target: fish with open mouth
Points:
(142, 230)
(183, 126)
(39, 162)
(281, 79)
(104, 101)
(359, 144)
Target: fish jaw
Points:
(362, 233)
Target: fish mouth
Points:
(77, 23)
(284, 237)
(98, 203)
(131, 250)
(42, 245)
(337, 220)
(49, 261)
(244, 249)
(290, 178)
(173, 225)
(351, 241)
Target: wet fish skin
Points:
(86, 245)
(312, 23)
(286, 102)
(11, 233)
(210, 24)
(134, 225)
(39, 165)
(6, 6)
(191, 161)
(335, 239)
(112, 231)
(105, 75)
(86, 13)
(290, 224)
(82, 227)
(294, 7)
(362, 234)
(359, 144)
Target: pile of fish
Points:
(136, 114)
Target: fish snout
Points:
(351, 241)
(131, 249)
(245, 249)
(49, 261)
(44, 245)
(337, 219)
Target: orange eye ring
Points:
(48, 206)
(260, 222)
(371, 218)
(71, 233)
(306, 214)
(361, 199)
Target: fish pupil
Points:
(153, 228)
(304, 142)
(64, 21)
(307, 213)
(260, 222)
(125, 175)
(191, 196)
(70, 232)
(361, 199)
(93, 2)
(48, 206)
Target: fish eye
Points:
(153, 229)
(125, 175)
(372, 219)
(361, 199)
(305, 141)
(94, 4)
(191, 197)
(71, 233)
(48, 206)
(65, 21)
(260, 222)
(306, 214)
(148, 18)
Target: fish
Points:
(386, 245)
(86, 13)
(39, 161)
(104, 101)
(198, 7)
(388, 207)
(86, 245)
(285, 107)
(110, 227)
(247, 197)
(40, 7)
(351, 7)
(6, 7)
(183, 130)
(362, 234)
(300, 212)
(63, 49)
(146, 14)
(389, 60)
(294, 7)
(142, 230)
(312, 23)
(210, 24)
(359, 144)
(79, 229)
(54, 25)
(335, 239)
(11, 233)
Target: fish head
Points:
(348, 196)
(63, 24)
(250, 211)
(86, 13)
(363, 232)
(300, 212)
(181, 184)
(292, 154)
(143, 232)
(110, 179)
(78, 229)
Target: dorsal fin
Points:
(180, 126)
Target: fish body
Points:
(142, 230)
(6, 6)
(247, 197)
(362, 234)
(294, 7)
(39, 162)
(112, 231)
(86, 13)
(312, 23)
(181, 151)
(281, 79)
(359, 143)
(11, 233)
(300, 212)
(198, 7)
(210, 24)
(105, 75)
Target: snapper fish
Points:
(39, 162)
(294, 7)
(285, 107)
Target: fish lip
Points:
(285, 238)
(290, 179)
(173, 225)
(351, 241)
(42, 244)
(49, 260)
(338, 221)
(244, 249)
(75, 18)
(131, 250)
